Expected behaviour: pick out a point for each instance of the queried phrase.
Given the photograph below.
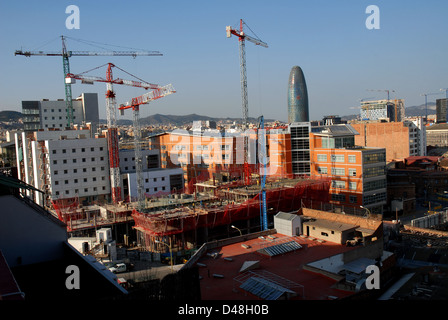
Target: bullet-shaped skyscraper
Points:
(297, 96)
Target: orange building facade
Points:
(205, 155)
(358, 173)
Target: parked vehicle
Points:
(121, 267)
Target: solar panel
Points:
(280, 248)
(264, 289)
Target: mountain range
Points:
(160, 119)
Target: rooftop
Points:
(222, 277)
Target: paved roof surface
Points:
(219, 275)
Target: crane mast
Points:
(111, 113)
(242, 37)
(135, 103)
(66, 54)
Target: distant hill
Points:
(10, 116)
(161, 119)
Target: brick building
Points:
(400, 139)
(358, 173)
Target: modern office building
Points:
(298, 109)
(388, 110)
(441, 106)
(300, 148)
(46, 114)
(358, 174)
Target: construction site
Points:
(185, 221)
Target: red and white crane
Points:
(134, 104)
(111, 111)
(242, 37)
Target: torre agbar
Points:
(297, 96)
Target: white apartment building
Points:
(417, 136)
(46, 114)
(64, 164)
(155, 179)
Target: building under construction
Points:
(227, 209)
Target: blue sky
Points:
(340, 57)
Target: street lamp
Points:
(171, 254)
(232, 226)
(366, 209)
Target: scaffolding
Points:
(233, 203)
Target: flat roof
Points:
(329, 224)
(220, 274)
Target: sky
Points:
(343, 61)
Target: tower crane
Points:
(66, 54)
(111, 111)
(426, 102)
(134, 104)
(242, 37)
(262, 155)
(386, 90)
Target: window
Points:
(374, 171)
(83, 149)
(338, 184)
(352, 185)
(338, 171)
(65, 171)
(338, 197)
(324, 234)
(92, 149)
(155, 189)
(64, 161)
(54, 151)
(55, 161)
(337, 158)
(76, 180)
(75, 170)
(352, 172)
(374, 157)
(321, 158)
(55, 172)
(64, 151)
(373, 185)
(353, 199)
(73, 150)
(84, 170)
(74, 160)
(322, 170)
(83, 159)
